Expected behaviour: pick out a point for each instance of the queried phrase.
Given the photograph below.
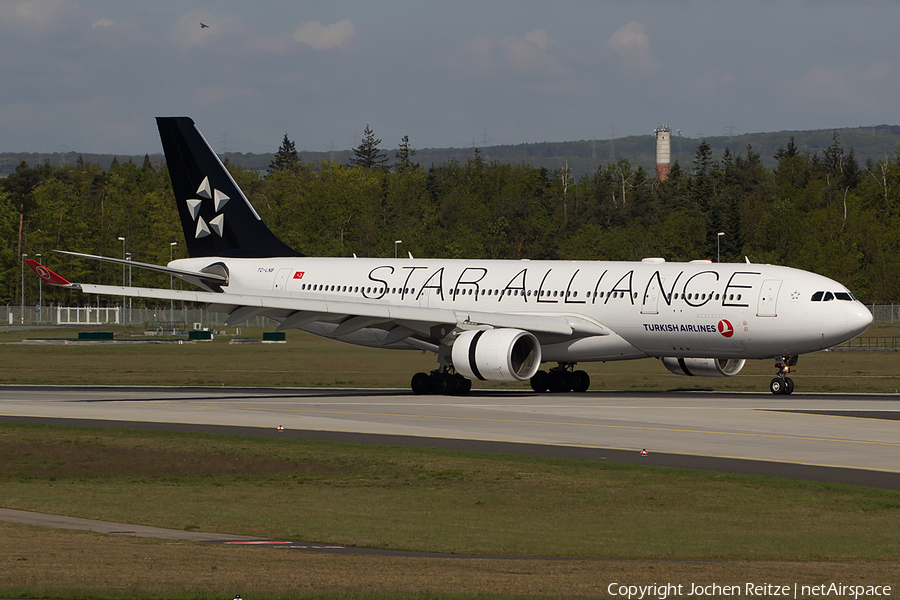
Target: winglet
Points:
(46, 274)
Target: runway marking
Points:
(530, 422)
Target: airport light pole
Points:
(128, 258)
(121, 239)
(171, 284)
(396, 243)
(718, 237)
(22, 317)
(40, 290)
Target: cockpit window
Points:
(826, 296)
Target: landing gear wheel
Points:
(463, 385)
(559, 382)
(778, 386)
(584, 381)
(782, 384)
(540, 382)
(421, 384)
(573, 381)
(445, 383)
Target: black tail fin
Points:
(217, 218)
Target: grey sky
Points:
(92, 75)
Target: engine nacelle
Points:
(496, 355)
(704, 367)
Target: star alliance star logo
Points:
(217, 223)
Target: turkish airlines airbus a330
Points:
(492, 320)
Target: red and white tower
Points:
(663, 152)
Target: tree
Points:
(286, 159)
(368, 154)
(404, 156)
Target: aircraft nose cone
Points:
(859, 318)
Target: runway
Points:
(842, 438)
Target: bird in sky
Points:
(203, 25)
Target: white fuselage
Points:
(650, 308)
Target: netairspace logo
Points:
(747, 589)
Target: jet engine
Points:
(704, 367)
(496, 355)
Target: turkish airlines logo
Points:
(725, 328)
(42, 272)
(298, 274)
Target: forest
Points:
(824, 213)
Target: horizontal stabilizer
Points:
(209, 281)
(141, 265)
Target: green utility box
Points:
(94, 336)
(273, 336)
(199, 335)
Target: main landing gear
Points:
(782, 384)
(440, 381)
(561, 378)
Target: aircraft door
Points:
(425, 297)
(650, 306)
(768, 298)
(281, 279)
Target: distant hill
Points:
(583, 156)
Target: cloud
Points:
(324, 37)
(839, 90)
(534, 53)
(632, 44)
(37, 19)
(102, 23)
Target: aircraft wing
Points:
(349, 315)
(286, 307)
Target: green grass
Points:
(451, 501)
(308, 361)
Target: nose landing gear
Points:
(782, 384)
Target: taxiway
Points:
(842, 438)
